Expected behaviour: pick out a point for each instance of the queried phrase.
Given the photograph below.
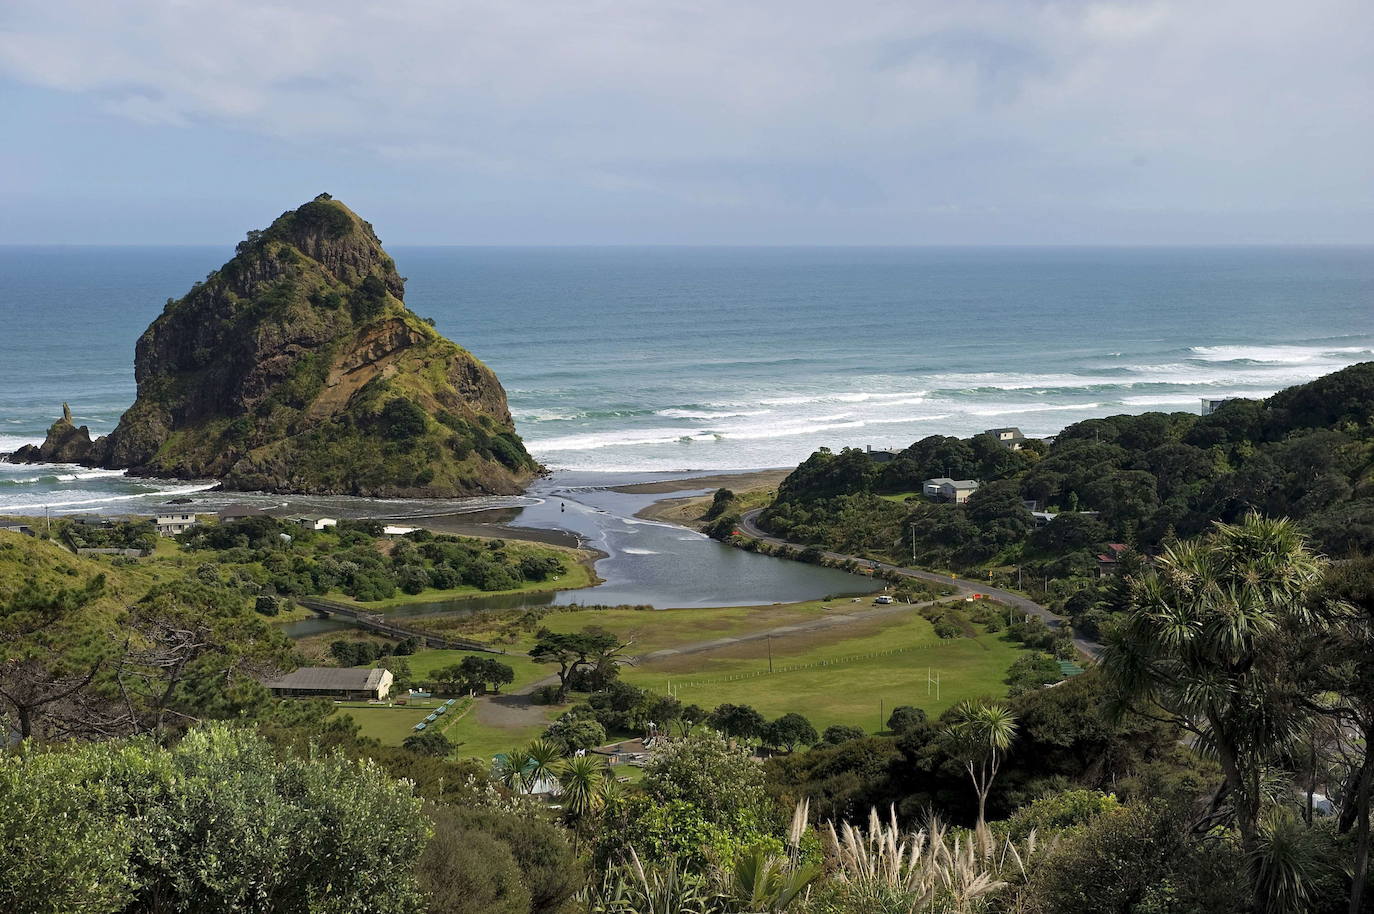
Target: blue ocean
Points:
(654, 359)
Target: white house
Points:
(942, 488)
(172, 524)
(314, 521)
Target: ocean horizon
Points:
(658, 359)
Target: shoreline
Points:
(686, 511)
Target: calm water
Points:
(646, 563)
(672, 358)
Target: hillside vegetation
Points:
(1304, 453)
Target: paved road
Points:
(749, 526)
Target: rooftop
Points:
(329, 678)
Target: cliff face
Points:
(296, 368)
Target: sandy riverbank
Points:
(491, 523)
(687, 511)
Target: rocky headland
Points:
(297, 368)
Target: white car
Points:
(885, 598)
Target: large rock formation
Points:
(65, 443)
(296, 368)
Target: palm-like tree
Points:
(513, 770)
(766, 882)
(580, 781)
(543, 756)
(981, 734)
(1211, 638)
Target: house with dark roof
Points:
(882, 454)
(347, 683)
(1010, 437)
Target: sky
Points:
(903, 122)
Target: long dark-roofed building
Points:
(351, 683)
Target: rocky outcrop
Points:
(297, 368)
(65, 443)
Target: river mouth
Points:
(643, 563)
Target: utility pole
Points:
(1018, 577)
(770, 653)
(913, 544)
(881, 723)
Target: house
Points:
(313, 521)
(1009, 437)
(1210, 406)
(882, 454)
(1109, 562)
(942, 488)
(237, 512)
(350, 683)
(25, 529)
(397, 530)
(173, 523)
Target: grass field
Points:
(654, 629)
(835, 678)
(473, 739)
(424, 663)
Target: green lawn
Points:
(653, 629)
(899, 497)
(843, 673)
(423, 663)
(389, 726)
(833, 679)
(473, 739)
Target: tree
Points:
(494, 672)
(428, 742)
(739, 721)
(691, 716)
(1349, 672)
(466, 871)
(1211, 637)
(723, 783)
(401, 676)
(573, 731)
(841, 733)
(573, 651)
(402, 419)
(52, 653)
(979, 736)
(789, 731)
(580, 785)
(154, 826)
(905, 718)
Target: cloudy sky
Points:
(716, 122)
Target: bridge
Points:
(378, 622)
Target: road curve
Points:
(749, 526)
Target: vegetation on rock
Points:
(296, 368)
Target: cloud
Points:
(920, 106)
